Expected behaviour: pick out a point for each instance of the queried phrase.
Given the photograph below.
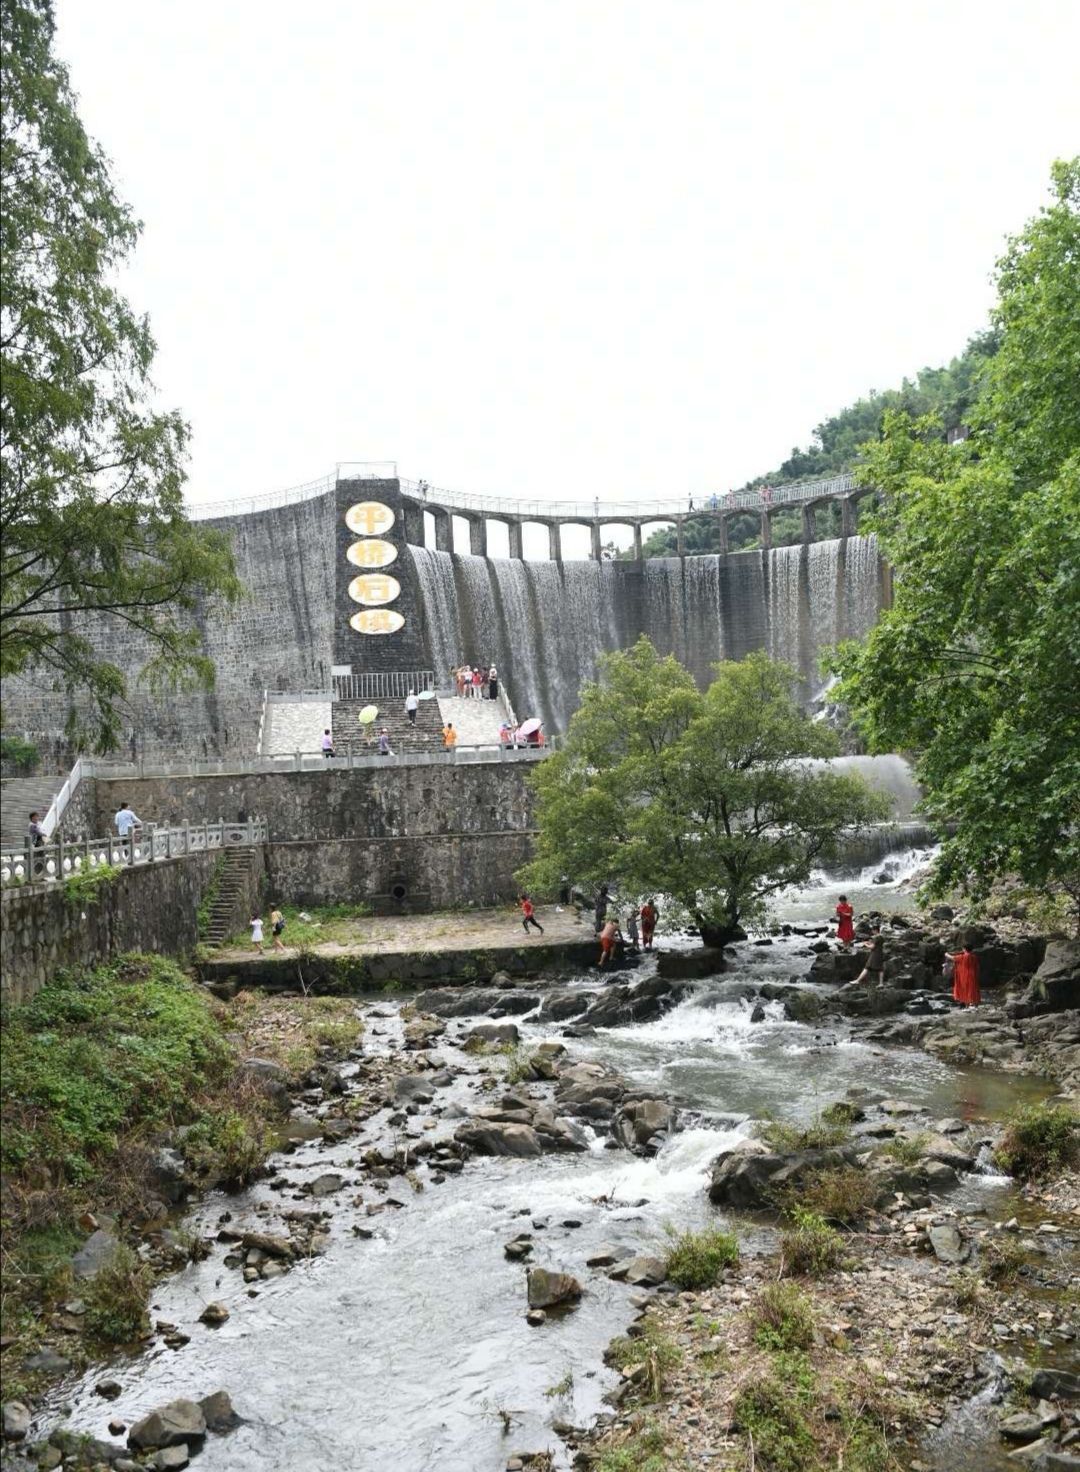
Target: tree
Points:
(700, 797)
(91, 513)
(976, 667)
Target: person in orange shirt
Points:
(528, 915)
(449, 736)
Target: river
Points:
(408, 1351)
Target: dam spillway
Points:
(545, 624)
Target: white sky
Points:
(561, 248)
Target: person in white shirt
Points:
(411, 703)
(126, 820)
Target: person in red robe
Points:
(965, 986)
(845, 926)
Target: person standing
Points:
(126, 820)
(449, 736)
(965, 988)
(607, 941)
(477, 683)
(601, 907)
(412, 702)
(384, 743)
(845, 922)
(327, 743)
(257, 933)
(632, 930)
(35, 832)
(874, 966)
(528, 916)
(493, 683)
(277, 925)
(649, 917)
(459, 680)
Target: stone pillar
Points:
(478, 536)
(808, 527)
(886, 585)
(514, 528)
(594, 529)
(680, 541)
(847, 516)
(637, 541)
(723, 520)
(444, 530)
(766, 528)
(554, 541)
(413, 517)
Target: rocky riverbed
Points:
(465, 1209)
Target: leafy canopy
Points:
(696, 796)
(976, 667)
(90, 476)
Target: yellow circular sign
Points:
(374, 589)
(369, 518)
(372, 552)
(377, 621)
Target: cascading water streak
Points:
(545, 624)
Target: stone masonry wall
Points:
(150, 907)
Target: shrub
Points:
(1039, 1140)
(116, 1298)
(643, 1451)
(841, 1193)
(696, 1259)
(810, 1246)
(841, 1113)
(227, 1147)
(1001, 1259)
(772, 1412)
(651, 1349)
(84, 886)
(783, 1318)
(818, 1135)
(21, 754)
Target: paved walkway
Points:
(469, 931)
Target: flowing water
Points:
(403, 1352)
(545, 623)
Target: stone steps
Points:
(349, 735)
(230, 886)
(21, 796)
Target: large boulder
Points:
(639, 1001)
(558, 1005)
(750, 1180)
(494, 1033)
(836, 966)
(547, 1289)
(642, 1124)
(95, 1253)
(493, 1137)
(690, 965)
(422, 1031)
(176, 1424)
(1055, 987)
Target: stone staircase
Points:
(350, 736)
(21, 796)
(232, 885)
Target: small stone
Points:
(48, 1458)
(178, 1422)
(1022, 1427)
(47, 1361)
(605, 1257)
(16, 1419)
(535, 1317)
(117, 1427)
(218, 1412)
(108, 1389)
(171, 1458)
(546, 1288)
(214, 1314)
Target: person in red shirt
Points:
(845, 928)
(607, 941)
(965, 986)
(528, 916)
(648, 923)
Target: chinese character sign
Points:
(372, 552)
(369, 518)
(373, 589)
(377, 621)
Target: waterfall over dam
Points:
(544, 624)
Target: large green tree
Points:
(91, 514)
(697, 796)
(976, 667)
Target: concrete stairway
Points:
(476, 721)
(232, 885)
(295, 725)
(21, 796)
(349, 735)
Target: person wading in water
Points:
(874, 966)
(607, 941)
(649, 917)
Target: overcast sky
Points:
(565, 247)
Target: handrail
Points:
(49, 863)
(496, 506)
(60, 802)
(315, 761)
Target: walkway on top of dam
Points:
(422, 500)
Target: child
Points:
(845, 926)
(256, 934)
(528, 915)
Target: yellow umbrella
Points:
(368, 714)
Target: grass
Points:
(771, 1412)
(292, 1034)
(783, 1318)
(810, 1247)
(824, 1131)
(652, 1350)
(645, 1449)
(841, 1193)
(696, 1259)
(1001, 1260)
(116, 1298)
(84, 886)
(906, 1149)
(1040, 1140)
(324, 923)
